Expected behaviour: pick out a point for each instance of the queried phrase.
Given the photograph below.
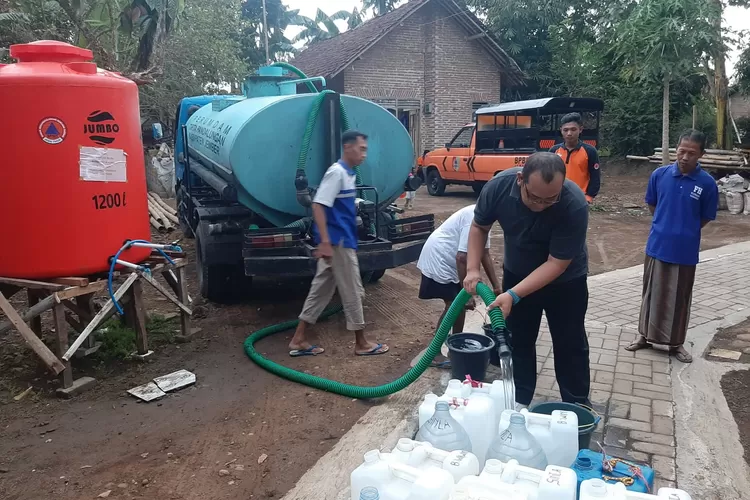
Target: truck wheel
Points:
(477, 187)
(435, 183)
(377, 275)
(220, 283)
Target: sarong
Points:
(665, 308)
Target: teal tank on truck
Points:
(256, 141)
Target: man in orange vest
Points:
(581, 159)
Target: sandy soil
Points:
(206, 441)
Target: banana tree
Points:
(320, 28)
(380, 7)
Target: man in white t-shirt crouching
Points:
(443, 266)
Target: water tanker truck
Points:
(246, 171)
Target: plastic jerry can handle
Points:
(404, 472)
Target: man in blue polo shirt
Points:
(683, 198)
(335, 234)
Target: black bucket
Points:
(502, 343)
(470, 355)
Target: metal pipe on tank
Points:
(227, 191)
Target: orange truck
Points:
(502, 137)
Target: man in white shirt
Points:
(443, 265)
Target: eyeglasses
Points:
(535, 200)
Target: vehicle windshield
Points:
(463, 138)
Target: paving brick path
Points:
(633, 391)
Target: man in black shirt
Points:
(544, 218)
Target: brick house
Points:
(430, 62)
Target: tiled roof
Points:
(329, 57)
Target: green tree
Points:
(742, 71)
(380, 7)
(720, 86)
(320, 28)
(355, 19)
(279, 18)
(663, 41)
(125, 35)
(204, 57)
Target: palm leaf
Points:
(14, 18)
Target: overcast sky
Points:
(735, 17)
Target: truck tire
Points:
(435, 183)
(377, 275)
(220, 283)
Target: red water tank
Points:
(72, 175)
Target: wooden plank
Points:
(69, 293)
(80, 312)
(71, 281)
(708, 151)
(99, 316)
(34, 342)
(139, 318)
(182, 294)
(44, 305)
(151, 281)
(39, 285)
(78, 327)
(61, 334)
(171, 279)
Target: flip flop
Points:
(683, 357)
(375, 351)
(638, 345)
(310, 351)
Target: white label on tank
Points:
(103, 165)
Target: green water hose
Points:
(310, 127)
(353, 391)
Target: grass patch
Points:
(118, 339)
(161, 328)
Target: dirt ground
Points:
(206, 441)
(736, 388)
(736, 339)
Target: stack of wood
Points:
(716, 159)
(162, 217)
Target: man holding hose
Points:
(544, 218)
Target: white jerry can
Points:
(396, 481)
(553, 483)
(476, 414)
(596, 489)
(557, 433)
(423, 456)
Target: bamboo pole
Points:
(163, 208)
(160, 216)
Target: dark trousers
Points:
(565, 305)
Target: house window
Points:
(474, 107)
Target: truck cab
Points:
(502, 137)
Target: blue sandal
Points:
(310, 351)
(378, 349)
